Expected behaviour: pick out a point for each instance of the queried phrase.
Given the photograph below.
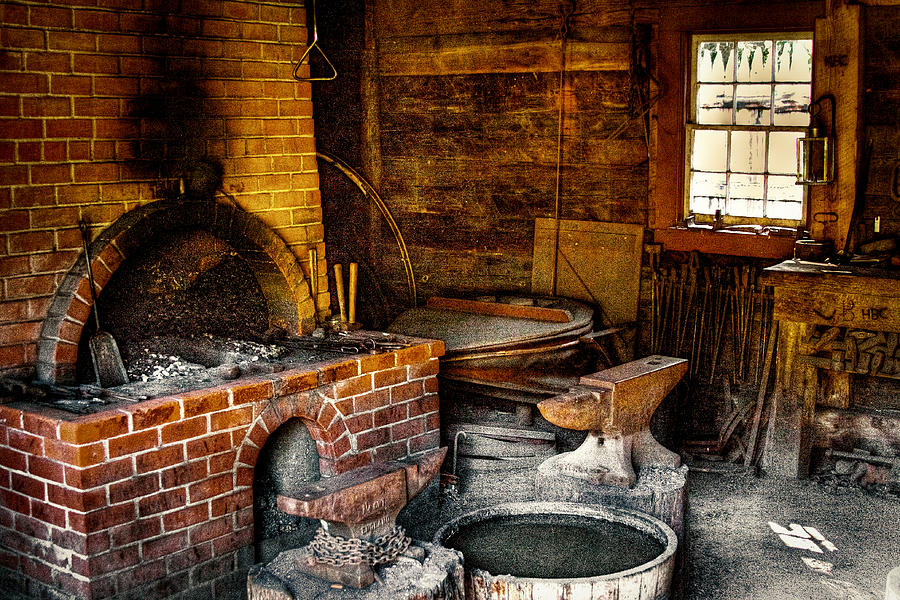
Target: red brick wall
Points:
(104, 108)
(152, 499)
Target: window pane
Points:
(793, 60)
(784, 188)
(714, 62)
(745, 195)
(783, 152)
(752, 96)
(754, 61)
(708, 152)
(754, 104)
(785, 210)
(748, 151)
(714, 103)
(792, 104)
(707, 192)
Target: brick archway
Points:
(325, 424)
(276, 268)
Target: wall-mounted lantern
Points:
(815, 151)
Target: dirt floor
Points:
(733, 551)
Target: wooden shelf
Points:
(735, 243)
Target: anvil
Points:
(615, 407)
(362, 503)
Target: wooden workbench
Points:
(834, 322)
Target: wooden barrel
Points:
(650, 580)
(892, 591)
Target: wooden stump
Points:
(439, 577)
(658, 491)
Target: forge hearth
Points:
(186, 284)
(182, 268)
(155, 498)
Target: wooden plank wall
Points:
(459, 127)
(469, 111)
(882, 118)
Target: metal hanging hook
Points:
(314, 44)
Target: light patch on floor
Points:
(819, 566)
(802, 537)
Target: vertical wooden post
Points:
(838, 70)
(370, 136)
(787, 454)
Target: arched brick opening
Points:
(325, 424)
(276, 269)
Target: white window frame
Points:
(691, 126)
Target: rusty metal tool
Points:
(108, 365)
(721, 314)
(707, 283)
(690, 315)
(761, 395)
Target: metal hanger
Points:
(314, 44)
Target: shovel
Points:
(108, 366)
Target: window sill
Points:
(723, 241)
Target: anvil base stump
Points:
(440, 576)
(657, 491)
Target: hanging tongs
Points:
(314, 44)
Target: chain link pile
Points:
(337, 550)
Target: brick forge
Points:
(105, 106)
(155, 499)
(276, 268)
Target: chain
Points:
(337, 550)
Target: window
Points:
(749, 102)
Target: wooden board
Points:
(538, 313)
(486, 56)
(837, 70)
(596, 262)
(865, 311)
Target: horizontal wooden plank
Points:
(490, 234)
(513, 148)
(726, 243)
(440, 272)
(515, 57)
(507, 94)
(499, 309)
(874, 312)
(400, 18)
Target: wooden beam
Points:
(838, 70)
(787, 453)
(499, 309)
(402, 18)
(406, 57)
